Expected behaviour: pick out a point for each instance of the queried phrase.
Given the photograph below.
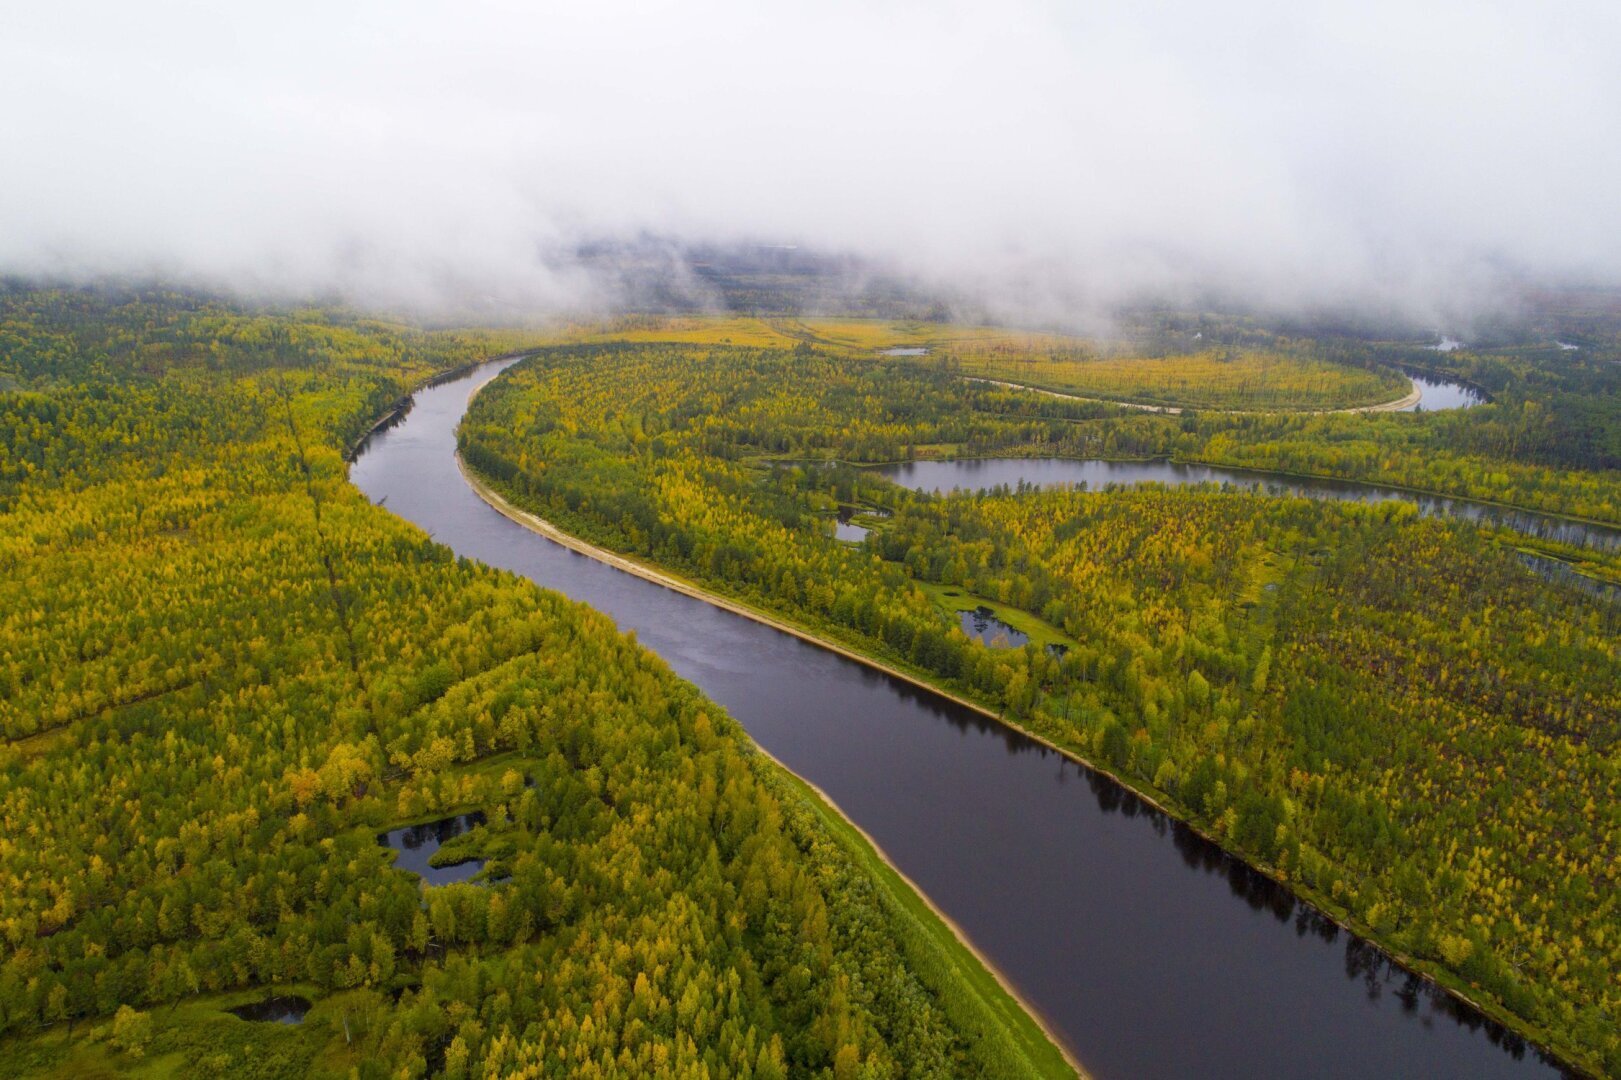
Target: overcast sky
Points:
(1293, 151)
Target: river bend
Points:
(1148, 950)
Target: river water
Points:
(1149, 951)
(979, 474)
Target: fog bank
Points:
(1043, 157)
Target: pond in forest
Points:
(982, 625)
(844, 530)
(416, 845)
(274, 1009)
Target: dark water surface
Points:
(278, 1009)
(416, 844)
(1151, 952)
(978, 474)
(982, 625)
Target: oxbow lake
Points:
(1438, 394)
(982, 474)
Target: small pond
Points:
(275, 1009)
(982, 625)
(844, 530)
(904, 350)
(1438, 394)
(417, 844)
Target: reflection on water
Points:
(904, 350)
(276, 1009)
(981, 474)
(1364, 963)
(1150, 952)
(1562, 573)
(416, 845)
(982, 625)
(1438, 394)
(843, 530)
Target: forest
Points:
(1221, 380)
(224, 674)
(1550, 440)
(1390, 713)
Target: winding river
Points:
(1148, 950)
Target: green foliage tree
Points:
(224, 672)
(1387, 711)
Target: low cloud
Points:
(1044, 157)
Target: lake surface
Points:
(1438, 394)
(277, 1009)
(1150, 952)
(979, 474)
(982, 625)
(416, 844)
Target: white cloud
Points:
(1295, 152)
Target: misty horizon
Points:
(1427, 164)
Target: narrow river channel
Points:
(1150, 952)
(981, 474)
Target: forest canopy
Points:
(223, 673)
(1389, 712)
